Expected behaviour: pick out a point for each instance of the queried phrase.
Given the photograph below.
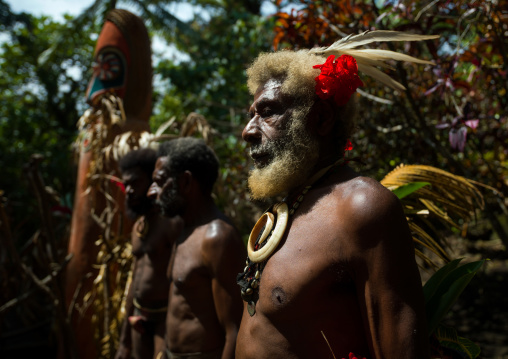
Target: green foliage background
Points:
(39, 107)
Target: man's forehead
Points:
(133, 172)
(272, 84)
(269, 89)
(161, 162)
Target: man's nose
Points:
(251, 132)
(152, 191)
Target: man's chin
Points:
(134, 212)
(284, 174)
(167, 211)
(274, 181)
(140, 208)
(262, 187)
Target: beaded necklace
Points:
(263, 236)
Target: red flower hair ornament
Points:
(352, 356)
(338, 79)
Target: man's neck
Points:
(199, 210)
(322, 169)
(152, 214)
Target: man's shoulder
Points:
(219, 231)
(364, 194)
(218, 228)
(368, 210)
(221, 241)
(364, 202)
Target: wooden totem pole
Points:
(119, 95)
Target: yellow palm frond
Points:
(449, 198)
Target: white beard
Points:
(289, 168)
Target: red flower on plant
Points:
(348, 146)
(352, 356)
(338, 79)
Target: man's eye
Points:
(267, 111)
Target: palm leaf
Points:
(456, 195)
(384, 55)
(423, 238)
(196, 123)
(446, 198)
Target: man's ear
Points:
(324, 117)
(185, 181)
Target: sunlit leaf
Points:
(407, 189)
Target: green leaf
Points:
(433, 282)
(409, 188)
(442, 26)
(448, 338)
(438, 308)
(473, 348)
(448, 290)
(456, 274)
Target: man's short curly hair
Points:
(191, 154)
(143, 158)
(294, 69)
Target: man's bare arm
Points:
(224, 255)
(387, 279)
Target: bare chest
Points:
(187, 269)
(151, 238)
(307, 272)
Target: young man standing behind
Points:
(204, 305)
(152, 238)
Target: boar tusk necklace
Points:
(264, 239)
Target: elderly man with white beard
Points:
(330, 269)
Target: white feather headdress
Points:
(369, 59)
